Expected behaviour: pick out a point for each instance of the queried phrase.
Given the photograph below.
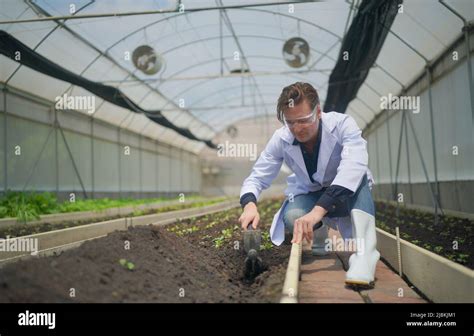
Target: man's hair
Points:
(295, 94)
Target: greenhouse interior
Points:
(224, 151)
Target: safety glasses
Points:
(309, 119)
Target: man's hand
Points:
(250, 215)
(303, 226)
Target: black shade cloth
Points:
(363, 42)
(9, 45)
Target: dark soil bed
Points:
(197, 260)
(451, 237)
(23, 229)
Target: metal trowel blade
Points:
(252, 239)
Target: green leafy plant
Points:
(24, 206)
(462, 258)
(138, 213)
(183, 229)
(405, 235)
(218, 242)
(266, 241)
(438, 249)
(226, 234)
(211, 224)
(34, 204)
(3, 211)
(127, 264)
(460, 240)
(25, 212)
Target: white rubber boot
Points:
(319, 241)
(362, 264)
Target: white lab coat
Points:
(342, 160)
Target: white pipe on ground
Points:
(290, 287)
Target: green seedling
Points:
(438, 249)
(266, 241)
(127, 264)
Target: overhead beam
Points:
(236, 75)
(150, 12)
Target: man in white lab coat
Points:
(330, 185)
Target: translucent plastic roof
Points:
(202, 49)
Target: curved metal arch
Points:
(232, 98)
(207, 81)
(179, 46)
(211, 25)
(32, 6)
(235, 98)
(224, 116)
(356, 112)
(174, 16)
(219, 132)
(266, 37)
(228, 88)
(201, 120)
(322, 28)
(248, 9)
(259, 10)
(188, 125)
(216, 60)
(194, 65)
(234, 118)
(212, 38)
(249, 115)
(129, 74)
(229, 100)
(235, 86)
(371, 89)
(212, 79)
(242, 116)
(389, 74)
(351, 110)
(227, 106)
(256, 113)
(227, 36)
(266, 11)
(215, 111)
(191, 122)
(146, 95)
(320, 90)
(366, 105)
